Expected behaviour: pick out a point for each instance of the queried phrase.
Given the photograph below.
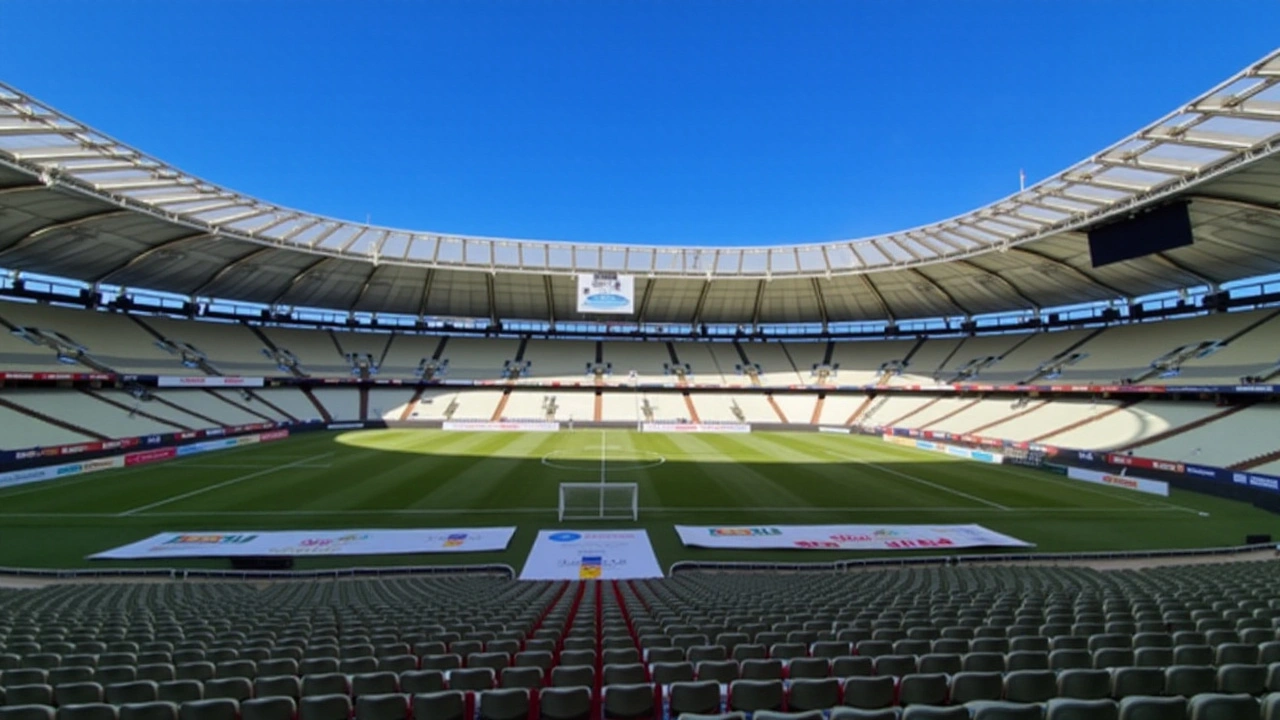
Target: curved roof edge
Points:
(1231, 125)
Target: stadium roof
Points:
(78, 204)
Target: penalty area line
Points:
(225, 483)
(922, 481)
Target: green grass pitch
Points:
(427, 478)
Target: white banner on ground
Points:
(1153, 487)
(312, 542)
(696, 427)
(591, 555)
(486, 426)
(832, 429)
(208, 381)
(845, 537)
(606, 293)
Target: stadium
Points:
(266, 464)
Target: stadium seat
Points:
(234, 688)
(700, 697)
(975, 686)
(1217, 706)
(219, 709)
(26, 712)
(89, 711)
(1004, 710)
(636, 701)
(1081, 709)
(148, 711)
(923, 689)
(869, 693)
(753, 695)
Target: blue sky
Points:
(690, 122)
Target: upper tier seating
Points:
(1247, 347)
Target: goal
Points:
(599, 501)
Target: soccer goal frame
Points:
(596, 501)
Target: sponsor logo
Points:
(590, 568)
(1264, 482)
(1200, 472)
(455, 540)
(150, 456)
(1240, 478)
(68, 470)
(844, 538)
(564, 537)
(21, 476)
(209, 539)
(606, 300)
(744, 532)
(1166, 466)
(93, 465)
(1120, 481)
(1085, 456)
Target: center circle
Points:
(589, 465)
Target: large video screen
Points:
(1163, 228)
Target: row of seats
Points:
(1027, 686)
(627, 703)
(1153, 650)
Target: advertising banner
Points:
(312, 542)
(591, 555)
(606, 293)
(952, 450)
(207, 381)
(1152, 487)
(844, 537)
(696, 427)
(22, 477)
(485, 426)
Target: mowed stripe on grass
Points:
(422, 478)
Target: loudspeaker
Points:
(262, 562)
(1256, 539)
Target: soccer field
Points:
(410, 478)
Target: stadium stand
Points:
(572, 361)
(94, 414)
(479, 359)
(1191, 641)
(24, 431)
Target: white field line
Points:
(659, 510)
(225, 483)
(922, 481)
(59, 484)
(1128, 495)
(254, 466)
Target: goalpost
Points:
(599, 501)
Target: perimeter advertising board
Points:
(606, 293)
(844, 537)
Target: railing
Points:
(211, 574)
(843, 565)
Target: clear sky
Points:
(685, 122)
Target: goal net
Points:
(599, 501)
